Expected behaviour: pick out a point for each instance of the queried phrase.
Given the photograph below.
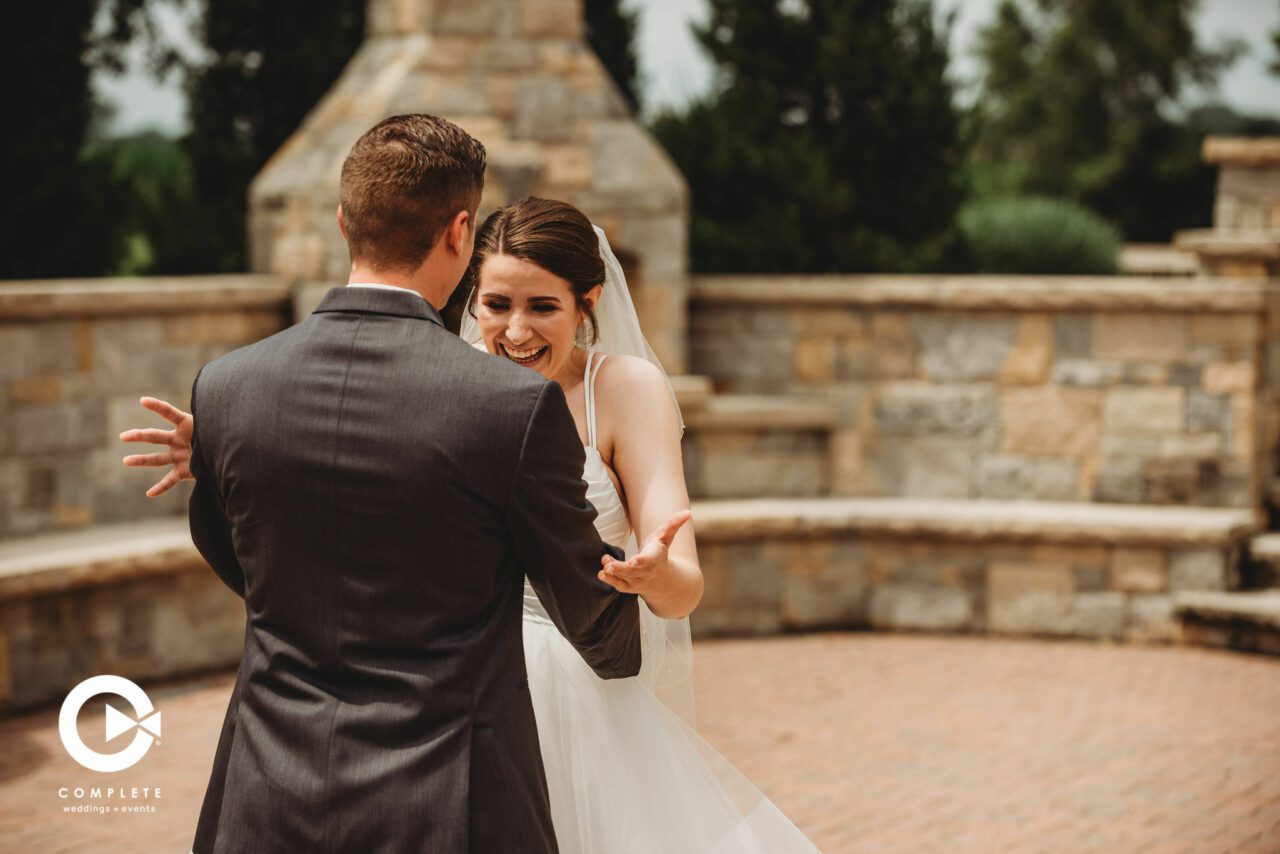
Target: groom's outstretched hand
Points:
(178, 439)
(647, 568)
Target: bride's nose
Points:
(517, 330)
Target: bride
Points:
(626, 771)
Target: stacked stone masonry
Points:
(1133, 391)
(77, 357)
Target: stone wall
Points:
(1124, 390)
(77, 355)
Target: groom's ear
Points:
(342, 226)
(458, 233)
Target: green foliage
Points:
(611, 32)
(270, 63)
(831, 143)
(56, 211)
(1037, 235)
(1076, 104)
(152, 173)
(1275, 43)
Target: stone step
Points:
(133, 599)
(1024, 568)
(740, 445)
(692, 391)
(1156, 259)
(1248, 621)
(1262, 570)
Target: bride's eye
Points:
(495, 305)
(544, 308)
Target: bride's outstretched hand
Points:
(178, 440)
(648, 566)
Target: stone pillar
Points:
(518, 75)
(1245, 239)
(1244, 243)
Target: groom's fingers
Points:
(166, 483)
(165, 410)
(617, 582)
(163, 458)
(151, 436)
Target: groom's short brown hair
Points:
(402, 183)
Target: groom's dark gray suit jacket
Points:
(376, 490)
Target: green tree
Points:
(611, 32)
(56, 211)
(1078, 102)
(269, 64)
(830, 143)
(1275, 43)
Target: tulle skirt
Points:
(626, 774)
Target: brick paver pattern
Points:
(871, 743)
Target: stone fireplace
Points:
(519, 76)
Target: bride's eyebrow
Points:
(555, 300)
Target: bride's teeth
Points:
(523, 355)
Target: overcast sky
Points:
(675, 71)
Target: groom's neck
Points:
(424, 280)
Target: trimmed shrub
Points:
(1032, 234)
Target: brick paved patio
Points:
(877, 743)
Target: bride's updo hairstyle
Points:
(554, 235)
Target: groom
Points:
(376, 490)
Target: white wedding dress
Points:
(625, 772)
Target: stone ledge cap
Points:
(973, 521)
(1231, 244)
(44, 299)
(1004, 293)
(762, 412)
(1261, 606)
(1242, 150)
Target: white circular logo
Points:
(145, 720)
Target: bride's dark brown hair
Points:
(554, 235)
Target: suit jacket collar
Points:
(379, 301)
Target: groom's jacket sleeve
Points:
(206, 511)
(553, 528)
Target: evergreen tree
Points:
(56, 209)
(830, 142)
(270, 63)
(1077, 103)
(611, 32)
(1275, 43)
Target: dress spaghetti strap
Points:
(589, 393)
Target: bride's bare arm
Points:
(634, 406)
(178, 441)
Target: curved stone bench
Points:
(137, 600)
(134, 599)
(1027, 568)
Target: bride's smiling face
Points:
(528, 314)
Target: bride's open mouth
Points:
(523, 357)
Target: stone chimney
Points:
(518, 75)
